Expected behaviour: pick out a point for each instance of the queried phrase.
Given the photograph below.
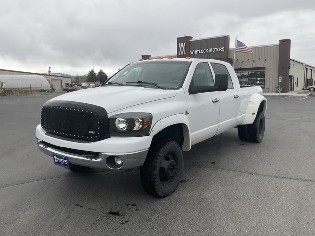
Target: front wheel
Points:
(161, 172)
(312, 89)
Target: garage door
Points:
(56, 83)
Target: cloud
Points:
(74, 36)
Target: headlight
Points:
(121, 124)
(130, 124)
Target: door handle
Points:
(215, 100)
(236, 96)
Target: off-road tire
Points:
(161, 172)
(256, 130)
(243, 133)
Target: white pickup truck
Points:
(146, 115)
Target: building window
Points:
(251, 78)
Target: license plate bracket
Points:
(61, 160)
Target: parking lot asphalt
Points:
(229, 187)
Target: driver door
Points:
(203, 107)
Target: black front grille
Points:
(74, 120)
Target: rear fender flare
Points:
(256, 103)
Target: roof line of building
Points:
(35, 73)
(302, 63)
(260, 46)
(195, 39)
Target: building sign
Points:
(206, 50)
(216, 47)
(183, 44)
(210, 48)
(280, 79)
(182, 47)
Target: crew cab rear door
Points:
(203, 104)
(230, 100)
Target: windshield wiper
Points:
(114, 83)
(145, 83)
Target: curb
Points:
(288, 94)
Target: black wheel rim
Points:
(168, 168)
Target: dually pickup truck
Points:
(146, 115)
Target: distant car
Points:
(84, 85)
(70, 88)
(311, 88)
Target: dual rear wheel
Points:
(253, 132)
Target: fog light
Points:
(118, 161)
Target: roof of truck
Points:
(179, 59)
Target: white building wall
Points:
(297, 70)
(310, 74)
(59, 83)
(303, 74)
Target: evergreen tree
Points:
(101, 76)
(91, 76)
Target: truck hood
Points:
(116, 98)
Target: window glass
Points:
(202, 76)
(161, 74)
(251, 78)
(221, 69)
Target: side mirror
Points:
(221, 82)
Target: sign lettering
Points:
(182, 48)
(206, 50)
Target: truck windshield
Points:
(155, 74)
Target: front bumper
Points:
(104, 151)
(101, 161)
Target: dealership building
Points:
(269, 66)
